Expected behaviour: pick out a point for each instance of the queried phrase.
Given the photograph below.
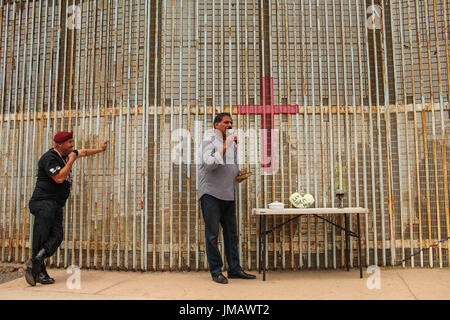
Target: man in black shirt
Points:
(49, 197)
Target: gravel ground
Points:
(9, 272)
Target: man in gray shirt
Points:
(217, 189)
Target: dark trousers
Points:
(217, 211)
(48, 226)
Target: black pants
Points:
(217, 211)
(48, 226)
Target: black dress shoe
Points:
(240, 275)
(44, 278)
(220, 279)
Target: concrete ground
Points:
(410, 284)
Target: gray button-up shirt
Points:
(217, 173)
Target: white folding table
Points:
(264, 213)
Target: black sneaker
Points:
(220, 279)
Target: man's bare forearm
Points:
(65, 171)
(89, 152)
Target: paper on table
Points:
(300, 201)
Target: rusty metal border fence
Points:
(370, 79)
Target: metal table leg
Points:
(347, 245)
(359, 248)
(265, 248)
(260, 244)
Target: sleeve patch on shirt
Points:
(53, 170)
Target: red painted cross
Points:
(266, 109)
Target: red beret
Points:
(62, 136)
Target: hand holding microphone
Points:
(229, 140)
(232, 136)
(73, 155)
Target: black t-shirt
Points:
(46, 188)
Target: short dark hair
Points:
(220, 116)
